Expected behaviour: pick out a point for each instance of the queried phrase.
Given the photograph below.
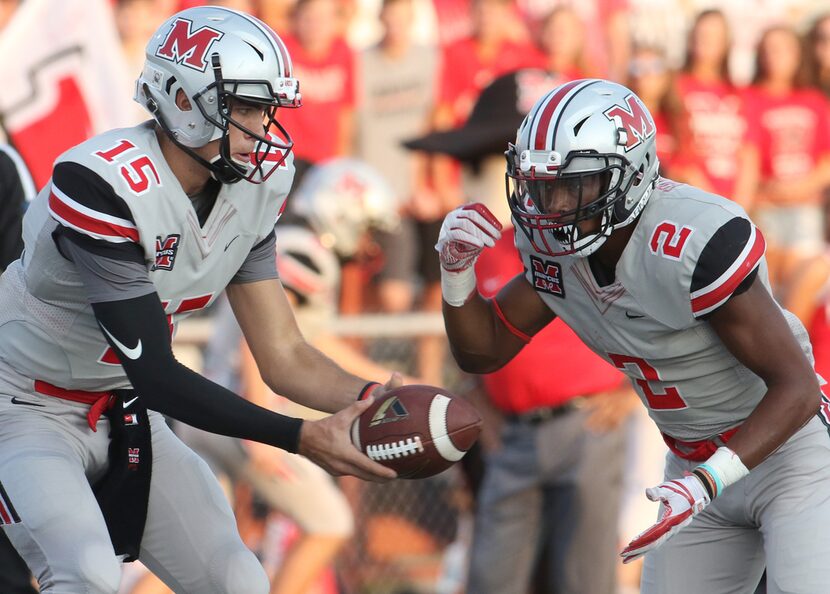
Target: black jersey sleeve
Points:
(84, 203)
(16, 190)
(727, 266)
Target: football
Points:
(417, 430)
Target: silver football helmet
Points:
(342, 199)
(307, 268)
(215, 56)
(584, 156)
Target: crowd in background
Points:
(740, 95)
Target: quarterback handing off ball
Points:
(416, 430)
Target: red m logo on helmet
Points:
(633, 121)
(188, 47)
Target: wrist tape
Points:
(724, 468)
(456, 287)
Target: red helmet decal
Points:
(634, 119)
(188, 47)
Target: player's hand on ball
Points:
(682, 500)
(328, 444)
(395, 381)
(465, 232)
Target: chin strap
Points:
(220, 166)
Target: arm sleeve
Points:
(261, 263)
(727, 266)
(137, 329)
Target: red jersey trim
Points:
(712, 296)
(90, 222)
(513, 330)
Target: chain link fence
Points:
(411, 536)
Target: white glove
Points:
(465, 232)
(682, 500)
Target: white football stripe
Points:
(438, 429)
(355, 432)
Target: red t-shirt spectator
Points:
(555, 366)
(717, 125)
(464, 73)
(790, 131)
(327, 85)
(665, 140)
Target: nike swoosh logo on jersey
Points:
(16, 400)
(131, 353)
(227, 245)
(127, 403)
(631, 316)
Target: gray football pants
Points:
(49, 456)
(778, 516)
(553, 488)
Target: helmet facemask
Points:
(273, 142)
(553, 201)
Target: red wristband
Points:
(367, 389)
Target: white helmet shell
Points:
(186, 51)
(583, 128)
(342, 199)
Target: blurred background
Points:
(739, 92)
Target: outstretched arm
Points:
(484, 334)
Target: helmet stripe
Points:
(543, 119)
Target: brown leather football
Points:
(417, 430)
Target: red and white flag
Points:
(64, 79)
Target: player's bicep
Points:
(754, 330)
(519, 308)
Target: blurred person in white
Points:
(396, 90)
(16, 191)
(607, 42)
(309, 256)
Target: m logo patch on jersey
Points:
(547, 276)
(166, 252)
(633, 122)
(185, 46)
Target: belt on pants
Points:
(542, 414)
(99, 402)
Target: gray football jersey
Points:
(650, 322)
(117, 189)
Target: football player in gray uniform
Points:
(669, 284)
(138, 228)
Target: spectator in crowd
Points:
(16, 191)
(717, 122)
(817, 53)
(789, 144)
(606, 30)
(651, 79)
(551, 486)
(562, 39)
(397, 89)
(325, 64)
(468, 65)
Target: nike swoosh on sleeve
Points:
(131, 353)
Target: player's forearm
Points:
(472, 330)
(308, 377)
(783, 411)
